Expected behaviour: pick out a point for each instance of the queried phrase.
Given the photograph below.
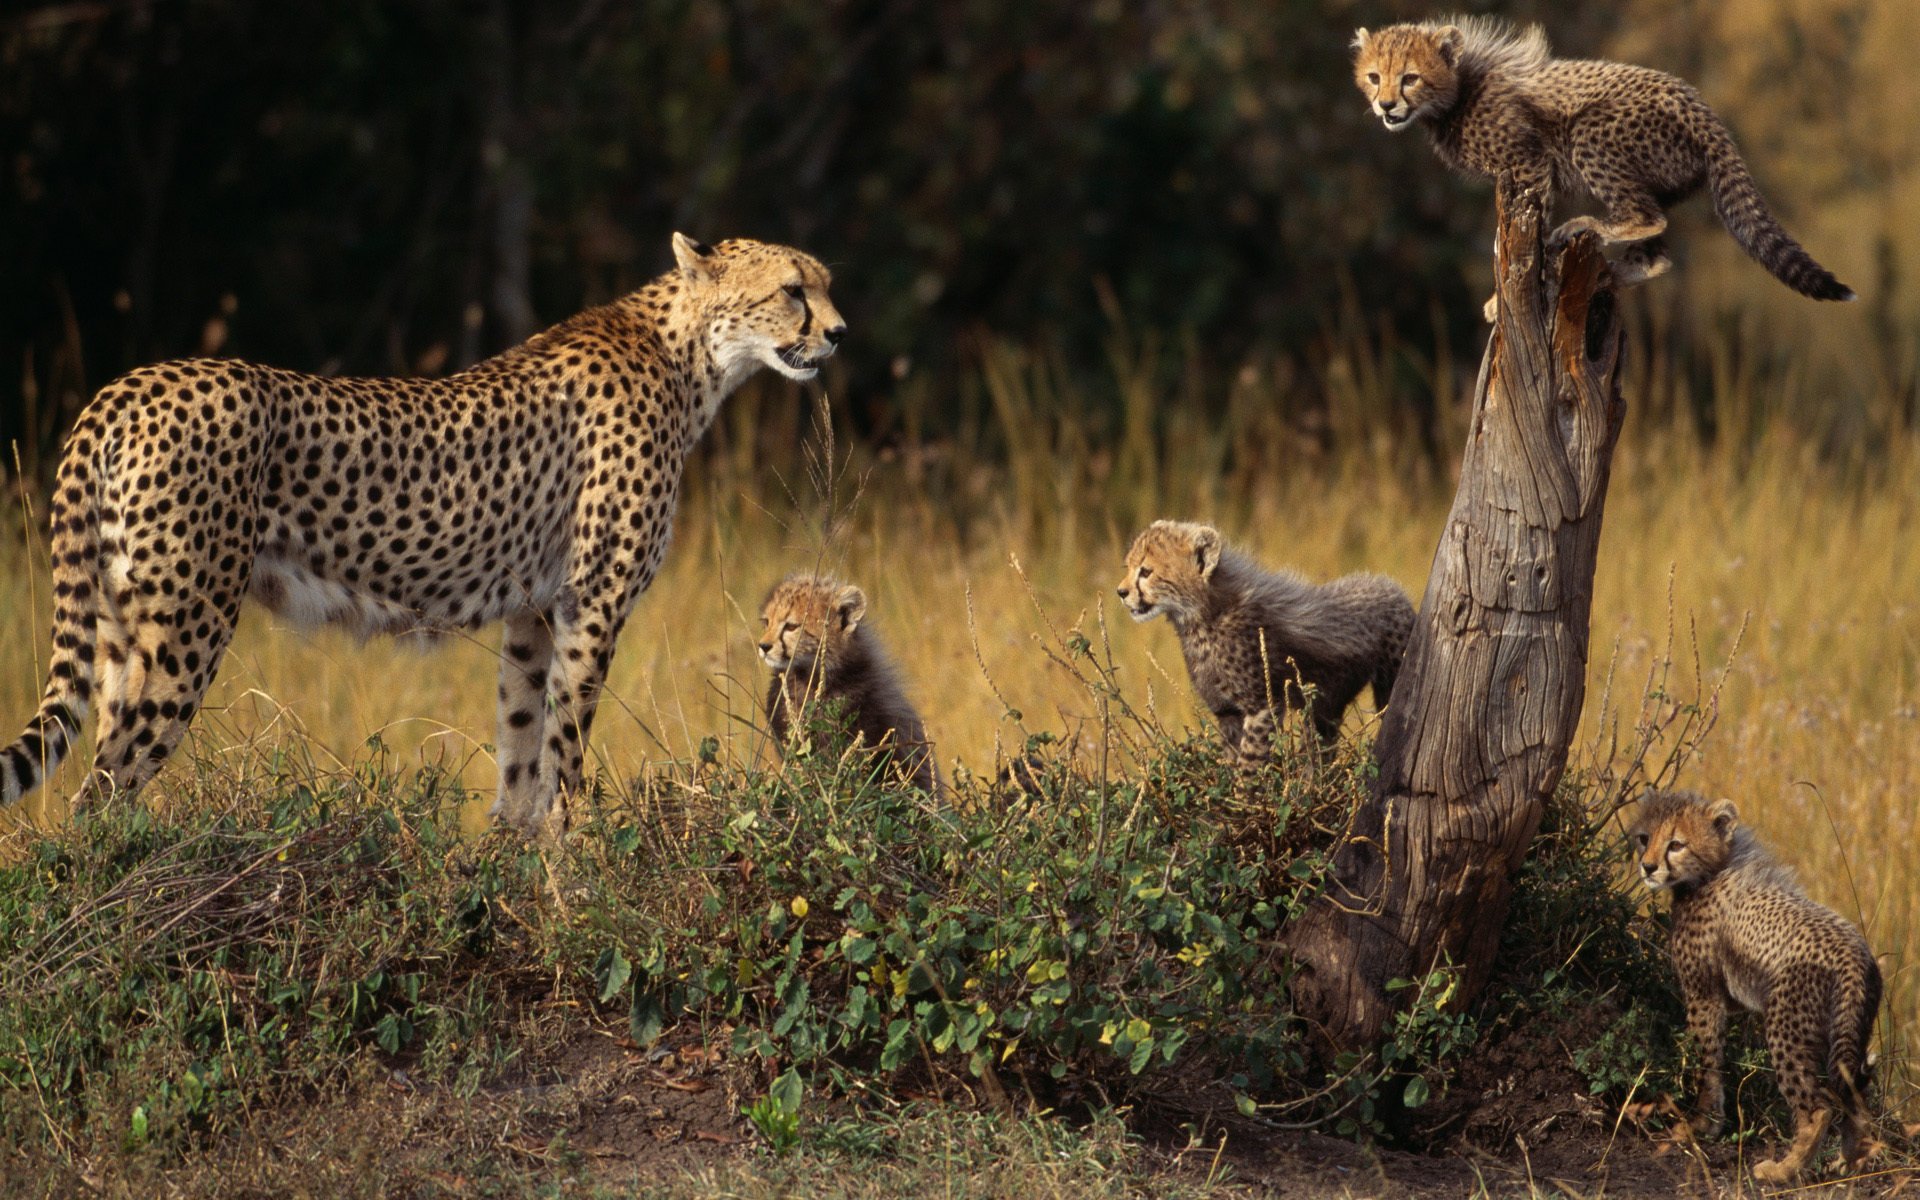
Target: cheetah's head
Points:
(808, 619)
(1682, 839)
(763, 305)
(1408, 71)
(1168, 570)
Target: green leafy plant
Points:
(776, 1115)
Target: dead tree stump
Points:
(1487, 702)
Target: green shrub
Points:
(1076, 940)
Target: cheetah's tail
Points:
(1753, 225)
(1386, 672)
(1852, 1019)
(76, 598)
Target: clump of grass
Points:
(163, 972)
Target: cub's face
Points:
(1168, 569)
(1681, 841)
(1407, 72)
(808, 619)
(766, 305)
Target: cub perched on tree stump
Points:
(1637, 140)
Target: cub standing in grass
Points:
(537, 487)
(1638, 141)
(829, 667)
(1744, 932)
(1253, 639)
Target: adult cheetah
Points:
(537, 487)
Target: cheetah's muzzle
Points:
(797, 358)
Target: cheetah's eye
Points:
(1640, 840)
(1676, 844)
(1145, 571)
(789, 627)
(1409, 79)
(797, 291)
(1373, 77)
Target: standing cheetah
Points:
(1744, 932)
(1253, 639)
(537, 487)
(1637, 140)
(827, 664)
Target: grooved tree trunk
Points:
(1476, 736)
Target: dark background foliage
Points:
(397, 187)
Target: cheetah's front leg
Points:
(1256, 736)
(1706, 1021)
(585, 625)
(526, 655)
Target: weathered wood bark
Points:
(1488, 699)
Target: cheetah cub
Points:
(1253, 638)
(1744, 932)
(828, 665)
(1637, 140)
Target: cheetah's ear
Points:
(1724, 815)
(1206, 550)
(695, 258)
(1360, 37)
(1449, 40)
(851, 605)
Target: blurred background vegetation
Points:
(406, 186)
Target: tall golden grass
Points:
(978, 549)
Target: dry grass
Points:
(973, 556)
(1770, 530)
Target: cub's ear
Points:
(1724, 815)
(695, 258)
(1206, 550)
(1360, 37)
(1450, 40)
(851, 605)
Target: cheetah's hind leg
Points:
(1793, 1063)
(1857, 1143)
(1642, 261)
(1809, 1128)
(150, 695)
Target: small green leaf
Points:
(1417, 1092)
(646, 1018)
(787, 1090)
(1142, 1054)
(611, 971)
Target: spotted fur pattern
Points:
(537, 488)
(1637, 140)
(1253, 638)
(829, 667)
(1744, 933)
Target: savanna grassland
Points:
(1755, 574)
